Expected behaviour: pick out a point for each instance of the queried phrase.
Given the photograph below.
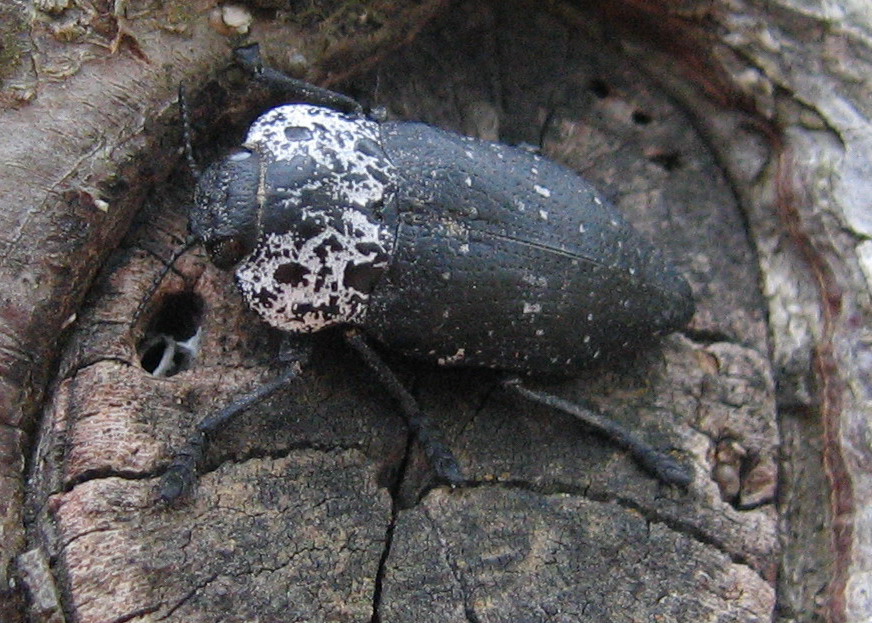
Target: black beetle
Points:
(441, 247)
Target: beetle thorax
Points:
(323, 155)
(324, 182)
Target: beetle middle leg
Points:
(659, 464)
(438, 454)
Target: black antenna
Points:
(191, 240)
(186, 132)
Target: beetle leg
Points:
(182, 472)
(439, 455)
(659, 464)
(300, 91)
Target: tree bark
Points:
(736, 137)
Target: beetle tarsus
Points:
(181, 475)
(659, 464)
(662, 466)
(438, 454)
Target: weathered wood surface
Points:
(310, 510)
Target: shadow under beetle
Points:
(441, 247)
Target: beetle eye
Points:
(226, 253)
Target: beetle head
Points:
(226, 205)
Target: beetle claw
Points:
(665, 468)
(175, 483)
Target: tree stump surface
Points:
(315, 506)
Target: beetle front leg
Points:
(439, 455)
(659, 464)
(181, 475)
(300, 91)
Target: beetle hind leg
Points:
(659, 464)
(438, 454)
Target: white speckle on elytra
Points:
(540, 332)
(586, 339)
(532, 308)
(590, 317)
(468, 181)
(314, 292)
(543, 214)
(597, 201)
(542, 190)
(331, 140)
(446, 275)
(458, 356)
(581, 229)
(535, 280)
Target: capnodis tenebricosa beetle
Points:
(441, 247)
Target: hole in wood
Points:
(172, 340)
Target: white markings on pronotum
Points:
(305, 284)
(344, 149)
(542, 190)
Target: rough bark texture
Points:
(737, 137)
